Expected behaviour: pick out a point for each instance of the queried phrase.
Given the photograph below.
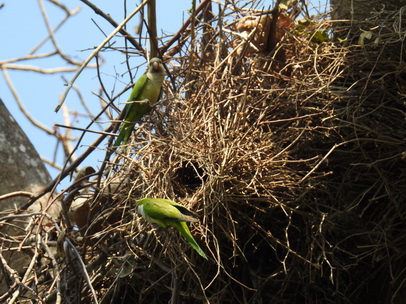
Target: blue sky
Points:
(22, 28)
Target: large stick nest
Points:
(294, 161)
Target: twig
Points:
(82, 101)
(61, 6)
(56, 271)
(163, 49)
(96, 51)
(68, 15)
(153, 41)
(51, 35)
(51, 163)
(36, 69)
(67, 170)
(66, 142)
(321, 161)
(11, 271)
(85, 130)
(17, 193)
(83, 269)
(113, 23)
(22, 107)
(27, 275)
(28, 57)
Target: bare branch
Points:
(115, 24)
(18, 193)
(96, 51)
(28, 57)
(22, 107)
(36, 69)
(181, 31)
(153, 42)
(51, 35)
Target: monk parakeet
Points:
(146, 93)
(165, 212)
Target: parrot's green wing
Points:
(146, 92)
(130, 111)
(137, 88)
(190, 217)
(165, 212)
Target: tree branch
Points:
(96, 51)
(115, 24)
(153, 42)
(201, 6)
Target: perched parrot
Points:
(147, 91)
(165, 212)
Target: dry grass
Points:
(294, 162)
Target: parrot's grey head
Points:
(156, 66)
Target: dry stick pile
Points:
(294, 163)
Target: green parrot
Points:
(165, 212)
(147, 91)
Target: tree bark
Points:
(21, 170)
(21, 167)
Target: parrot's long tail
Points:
(125, 132)
(184, 230)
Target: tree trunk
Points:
(21, 166)
(21, 170)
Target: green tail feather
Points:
(133, 116)
(184, 230)
(125, 132)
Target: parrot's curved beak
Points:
(155, 66)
